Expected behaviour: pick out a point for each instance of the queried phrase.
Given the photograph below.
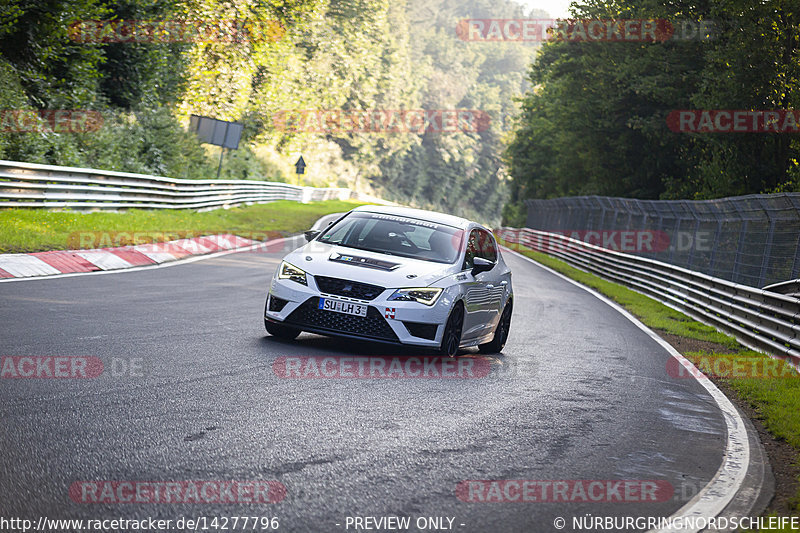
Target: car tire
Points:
(281, 331)
(500, 333)
(451, 338)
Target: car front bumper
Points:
(386, 321)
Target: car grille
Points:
(350, 289)
(372, 326)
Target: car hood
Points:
(389, 271)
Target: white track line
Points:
(183, 261)
(719, 492)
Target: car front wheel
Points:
(451, 339)
(500, 333)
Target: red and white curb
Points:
(38, 264)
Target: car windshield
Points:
(396, 235)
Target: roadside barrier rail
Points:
(46, 186)
(763, 320)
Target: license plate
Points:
(348, 308)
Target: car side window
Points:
(473, 249)
(488, 249)
(336, 234)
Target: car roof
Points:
(430, 216)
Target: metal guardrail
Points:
(791, 287)
(45, 186)
(763, 320)
(754, 239)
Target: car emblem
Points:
(308, 258)
(411, 276)
(389, 313)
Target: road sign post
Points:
(218, 132)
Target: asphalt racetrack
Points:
(188, 392)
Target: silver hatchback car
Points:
(396, 275)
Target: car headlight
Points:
(423, 295)
(289, 271)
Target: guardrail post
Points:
(712, 261)
(796, 263)
(630, 216)
(740, 245)
(674, 233)
(694, 237)
(768, 246)
(602, 216)
(596, 208)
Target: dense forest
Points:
(567, 117)
(350, 55)
(596, 118)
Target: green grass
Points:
(654, 314)
(34, 230)
(776, 400)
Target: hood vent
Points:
(363, 261)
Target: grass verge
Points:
(756, 380)
(33, 230)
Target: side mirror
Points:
(310, 234)
(479, 264)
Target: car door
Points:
(494, 282)
(476, 293)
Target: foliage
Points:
(303, 55)
(461, 172)
(595, 120)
